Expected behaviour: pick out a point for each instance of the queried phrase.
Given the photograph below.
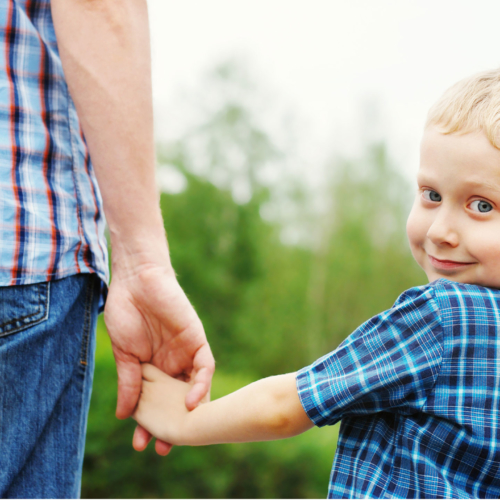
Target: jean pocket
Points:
(22, 306)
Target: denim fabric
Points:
(47, 344)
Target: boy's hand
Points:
(161, 409)
(267, 409)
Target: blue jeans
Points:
(47, 344)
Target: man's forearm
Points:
(265, 410)
(105, 51)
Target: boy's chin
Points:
(434, 276)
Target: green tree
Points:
(267, 307)
(363, 262)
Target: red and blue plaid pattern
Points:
(51, 222)
(418, 391)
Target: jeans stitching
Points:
(84, 404)
(30, 324)
(87, 321)
(87, 329)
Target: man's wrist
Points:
(133, 259)
(144, 248)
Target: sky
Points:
(349, 71)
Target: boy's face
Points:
(454, 225)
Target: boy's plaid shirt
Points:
(51, 222)
(418, 391)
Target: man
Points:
(76, 83)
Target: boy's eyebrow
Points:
(482, 184)
(473, 183)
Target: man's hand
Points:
(150, 319)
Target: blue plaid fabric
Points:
(418, 391)
(51, 220)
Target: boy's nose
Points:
(443, 230)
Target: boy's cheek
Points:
(414, 229)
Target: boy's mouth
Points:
(447, 264)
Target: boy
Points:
(418, 386)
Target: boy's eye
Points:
(481, 206)
(431, 195)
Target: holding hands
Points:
(264, 410)
(150, 320)
(162, 409)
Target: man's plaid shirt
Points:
(51, 222)
(418, 391)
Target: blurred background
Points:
(287, 135)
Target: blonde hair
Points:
(472, 104)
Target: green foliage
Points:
(364, 262)
(267, 307)
(231, 264)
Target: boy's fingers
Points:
(141, 438)
(162, 448)
(150, 372)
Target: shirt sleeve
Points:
(390, 363)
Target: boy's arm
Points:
(267, 409)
